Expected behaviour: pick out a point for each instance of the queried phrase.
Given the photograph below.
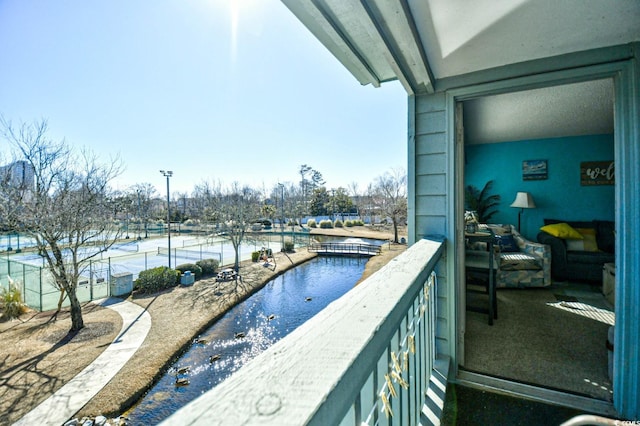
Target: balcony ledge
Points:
(312, 375)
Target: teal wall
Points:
(560, 196)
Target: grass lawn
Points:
(37, 357)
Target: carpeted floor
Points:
(553, 337)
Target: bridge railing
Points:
(366, 359)
(345, 248)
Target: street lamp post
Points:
(139, 218)
(168, 174)
(281, 217)
(333, 204)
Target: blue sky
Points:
(214, 90)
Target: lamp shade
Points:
(523, 200)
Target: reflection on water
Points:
(247, 330)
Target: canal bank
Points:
(180, 315)
(247, 330)
(177, 316)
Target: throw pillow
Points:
(587, 243)
(562, 230)
(506, 243)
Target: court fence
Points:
(110, 274)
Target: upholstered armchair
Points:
(527, 266)
(520, 263)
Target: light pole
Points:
(281, 216)
(168, 174)
(139, 218)
(333, 204)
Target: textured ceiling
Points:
(568, 110)
(462, 36)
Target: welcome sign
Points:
(597, 173)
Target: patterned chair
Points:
(520, 263)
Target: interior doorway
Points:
(553, 336)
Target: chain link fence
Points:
(98, 276)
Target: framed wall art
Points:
(534, 169)
(597, 173)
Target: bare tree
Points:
(310, 180)
(206, 196)
(288, 198)
(67, 208)
(239, 207)
(143, 194)
(391, 191)
(367, 203)
(353, 190)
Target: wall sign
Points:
(534, 169)
(597, 173)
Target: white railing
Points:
(345, 248)
(365, 359)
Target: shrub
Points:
(255, 255)
(311, 223)
(326, 224)
(195, 269)
(288, 246)
(348, 223)
(208, 266)
(338, 223)
(11, 302)
(292, 222)
(358, 222)
(157, 279)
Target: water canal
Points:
(247, 330)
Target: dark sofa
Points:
(580, 265)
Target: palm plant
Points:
(481, 201)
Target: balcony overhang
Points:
(376, 41)
(434, 45)
(422, 41)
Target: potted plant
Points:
(481, 202)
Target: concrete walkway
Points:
(69, 399)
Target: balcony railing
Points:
(368, 358)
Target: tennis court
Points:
(28, 269)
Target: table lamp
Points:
(523, 200)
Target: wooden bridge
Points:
(348, 249)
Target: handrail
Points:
(345, 248)
(335, 368)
